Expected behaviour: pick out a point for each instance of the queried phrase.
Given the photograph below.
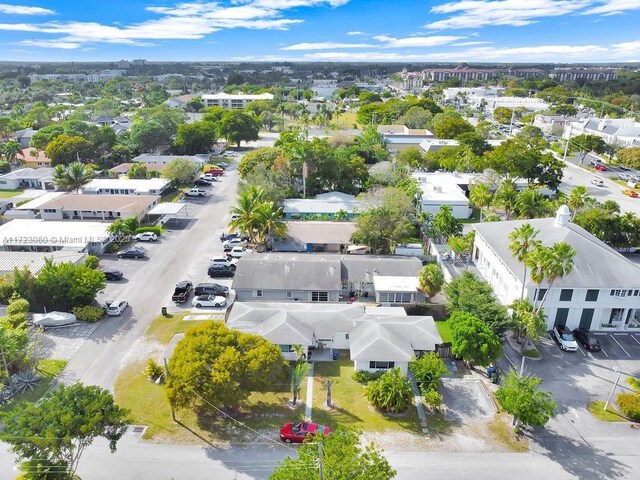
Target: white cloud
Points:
(628, 46)
(326, 46)
(355, 33)
(185, 21)
(432, 41)
(479, 13)
(469, 44)
(23, 10)
(612, 7)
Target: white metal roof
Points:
(33, 232)
(395, 284)
(242, 96)
(34, 261)
(167, 208)
(139, 185)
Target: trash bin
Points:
(491, 370)
(164, 311)
(335, 354)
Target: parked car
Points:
(112, 274)
(232, 242)
(297, 432)
(117, 308)
(565, 338)
(53, 319)
(210, 289)
(132, 252)
(213, 173)
(209, 301)
(630, 193)
(195, 192)
(223, 165)
(238, 251)
(202, 182)
(146, 237)
(224, 260)
(182, 292)
(601, 168)
(597, 182)
(229, 236)
(588, 340)
(220, 271)
(624, 167)
(624, 177)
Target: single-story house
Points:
(602, 291)
(35, 261)
(315, 236)
(309, 277)
(399, 137)
(24, 136)
(35, 158)
(123, 168)
(328, 204)
(199, 160)
(126, 186)
(391, 289)
(66, 206)
(377, 338)
(36, 235)
(38, 178)
(435, 144)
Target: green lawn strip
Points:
(502, 430)
(10, 193)
(345, 120)
(351, 406)
(48, 370)
(444, 330)
(173, 195)
(596, 409)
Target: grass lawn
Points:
(501, 428)
(351, 406)
(444, 330)
(173, 194)
(609, 415)
(48, 370)
(10, 193)
(345, 120)
(149, 406)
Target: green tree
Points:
(431, 279)
(391, 392)
(371, 146)
(528, 322)
(297, 374)
(269, 221)
(522, 398)
(468, 294)
(445, 225)
(532, 204)
(14, 342)
(506, 197)
(428, 369)
(577, 199)
(149, 136)
(410, 156)
(583, 144)
(245, 213)
(64, 150)
(343, 456)
(522, 242)
(10, 151)
(137, 170)
(629, 157)
(123, 227)
(548, 264)
(417, 117)
(72, 177)
(503, 115)
(480, 196)
(65, 285)
(194, 138)
(179, 171)
(473, 340)
(451, 127)
(237, 126)
(217, 366)
(45, 135)
(50, 436)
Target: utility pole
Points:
(321, 473)
(329, 401)
(166, 374)
(566, 146)
(606, 405)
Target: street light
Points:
(606, 405)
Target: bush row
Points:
(155, 229)
(88, 314)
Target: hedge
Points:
(155, 229)
(629, 403)
(88, 314)
(365, 376)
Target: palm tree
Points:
(10, 150)
(297, 375)
(480, 196)
(431, 279)
(506, 197)
(528, 322)
(72, 177)
(523, 241)
(577, 199)
(245, 212)
(531, 204)
(269, 221)
(548, 264)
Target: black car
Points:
(211, 289)
(588, 340)
(231, 236)
(132, 252)
(221, 270)
(112, 274)
(201, 182)
(182, 292)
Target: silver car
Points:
(117, 308)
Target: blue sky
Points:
(509, 31)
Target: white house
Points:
(233, 101)
(38, 178)
(377, 338)
(35, 261)
(126, 186)
(531, 104)
(329, 204)
(470, 94)
(399, 137)
(435, 144)
(614, 131)
(440, 189)
(198, 160)
(602, 291)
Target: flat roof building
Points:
(126, 186)
(233, 101)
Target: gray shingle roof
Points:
(596, 265)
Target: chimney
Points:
(562, 216)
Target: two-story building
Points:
(602, 291)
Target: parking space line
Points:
(507, 357)
(554, 343)
(634, 337)
(605, 353)
(614, 339)
(595, 333)
(581, 351)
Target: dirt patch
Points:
(142, 350)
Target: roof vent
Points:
(562, 216)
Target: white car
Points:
(238, 252)
(146, 237)
(565, 338)
(195, 192)
(117, 308)
(209, 301)
(228, 244)
(222, 260)
(597, 182)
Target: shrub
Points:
(153, 370)
(113, 247)
(155, 229)
(364, 376)
(629, 403)
(391, 392)
(5, 167)
(432, 398)
(428, 369)
(17, 305)
(88, 314)
(92, 262)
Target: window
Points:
(561, 316)
(635, 293)
(319, 296)
(257, 293)
(566, 294)
(541, 292)
(629, 293)
(592, 296)
(289, 294)
(346, 336)
(619, 293)
(285, 348)
(395, 297)
(381, 365)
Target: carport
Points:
(167, 211)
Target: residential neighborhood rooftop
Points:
(26, 232)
